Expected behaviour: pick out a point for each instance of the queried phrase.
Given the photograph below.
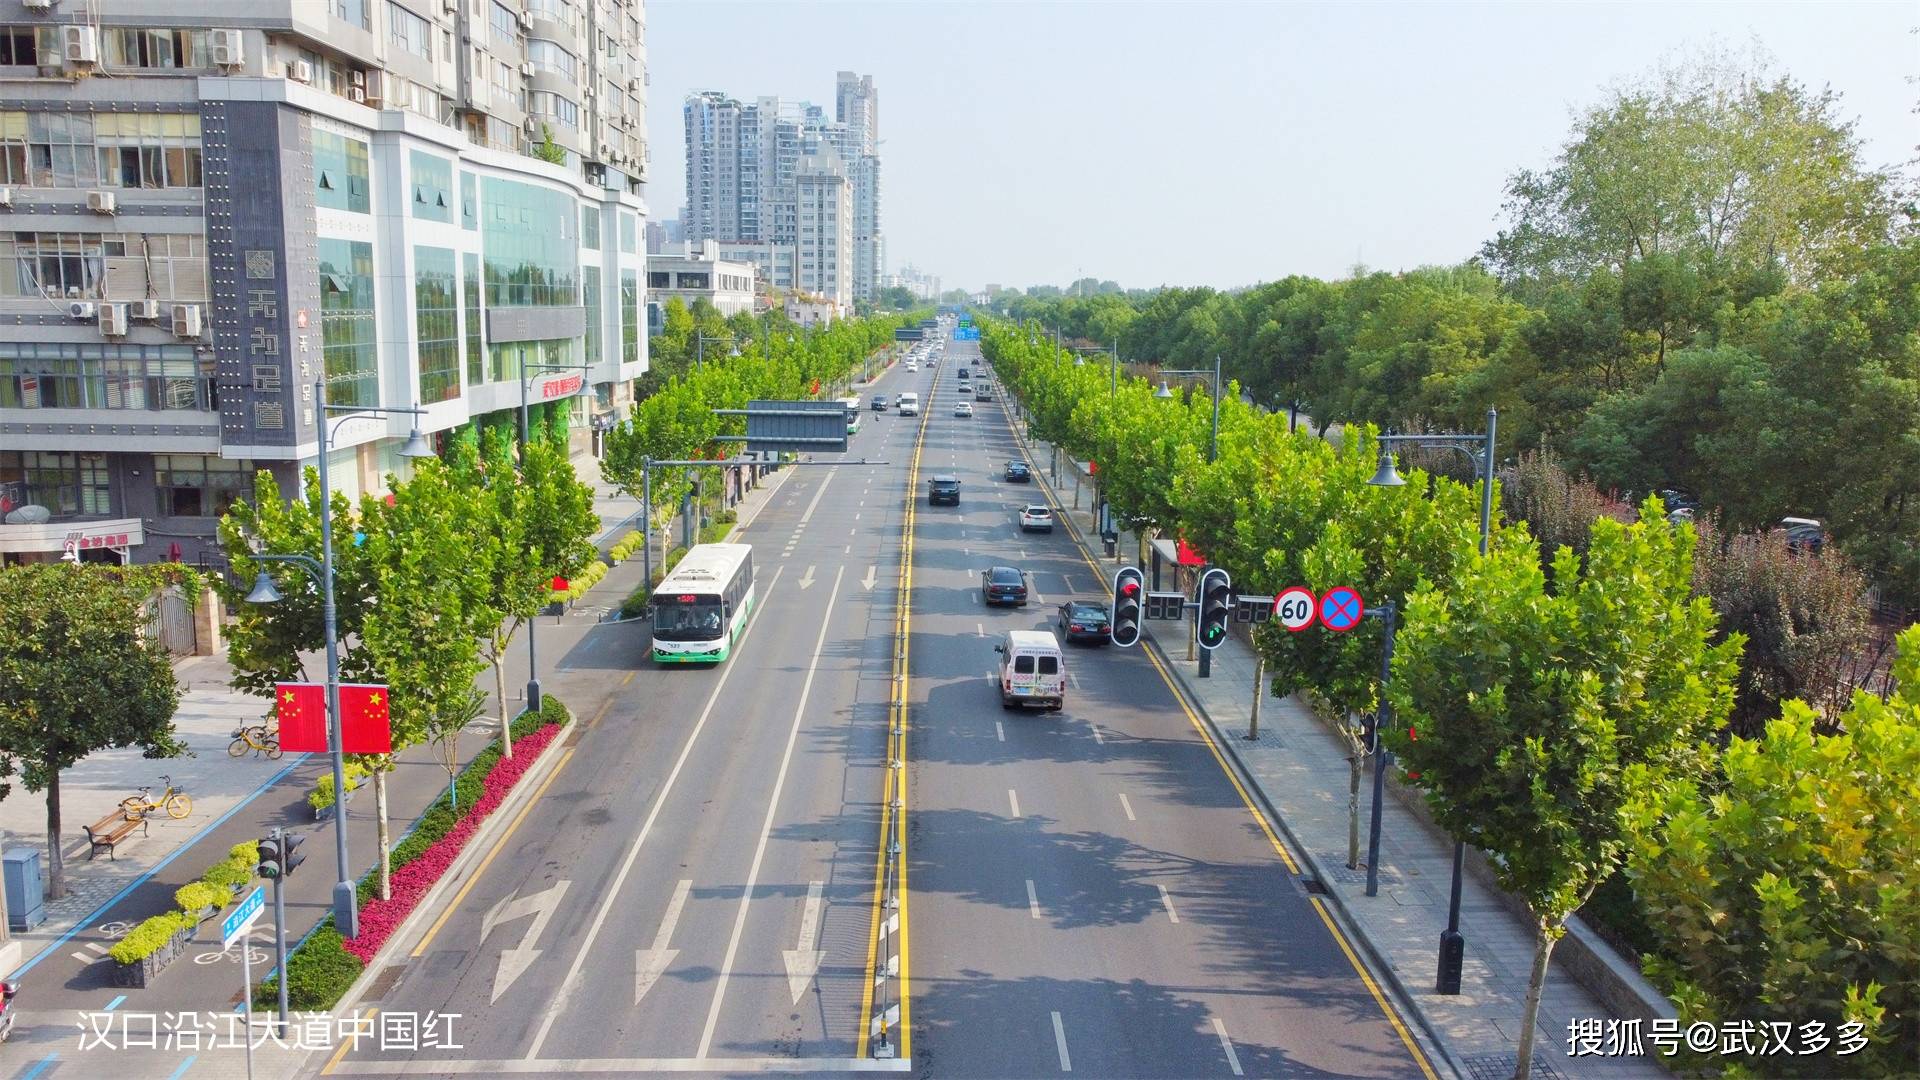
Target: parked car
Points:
(1804, 534)
(943, 488)
(963, 409)
(1036, 518)
(1018, 473)
(1003, 585)
(1082, 620)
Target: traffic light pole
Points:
(280, 931)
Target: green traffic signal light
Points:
(1216, 607)
(269, 867)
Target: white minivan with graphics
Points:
(908, 404)
(1032, 670)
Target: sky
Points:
(1226, 143)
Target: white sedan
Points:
(965, 408)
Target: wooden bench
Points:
(112, 829)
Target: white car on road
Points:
(963, 409)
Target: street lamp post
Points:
(526, 429)
(1213, 452)
(1479, 450)
(346, 912)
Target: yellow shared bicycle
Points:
(174, 800)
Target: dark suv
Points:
(1018, 473)
(943, 489)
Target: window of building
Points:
(695, 281)
(470, 299)
(560, 11)
(200, 485)
(590, 291)
(548, 55)
(563, 110)
(659, 279)
(590, 226)
(629, 233)
(64, 483)
(113, 266)
(409, 32)
(342, 175)
(629, 317)
(432, 186)
(505, 24)
(74, 375)
(507, 360)
(17, 48)
(127, 46)
(532, 252)
(346, 322)
(353, 12)
(153, 150)
(436, 324)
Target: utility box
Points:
(26, 890)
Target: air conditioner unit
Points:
(355, 93)
(526, 21)
(186, 320)
(80, 310)
(531, 127)
(228, 46)
(39, 5)
(358, 78)
(526, 69)
(300, 71)
(377, 89)
(148, 310)
(80, 44)
(451, 7)
(113, 320)
(633, 86)
(103, 202)
(6, 197)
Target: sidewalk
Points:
(1298, 770)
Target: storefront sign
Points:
(564, 387)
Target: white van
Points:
(908, 404)
(1032, 669)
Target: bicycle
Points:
(174, 800)
(259, 738)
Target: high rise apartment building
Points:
(749, 165)
(217, 205)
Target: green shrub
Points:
(319, 973)
(625, 548)
(199, 895)
(234, 872)
(321, 796)
(588, 577)
(147, 938)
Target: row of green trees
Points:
(1565, 703)
(432, 584)
(1708, 290)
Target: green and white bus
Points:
(852, 405)
(701, 609)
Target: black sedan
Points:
(1003, 585)
(879, 403)
(1083, 621)
(1018, 473)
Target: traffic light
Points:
(1216, 607)
(1127, 590)
(278, 855)
(270, 856)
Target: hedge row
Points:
(626, 547)
(321, 796)
(321, 970)
(213, 889)
(587, 578)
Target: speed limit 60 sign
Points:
(1295, 608)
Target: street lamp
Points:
(1479, 450)
(346, 913)
(1213, 452)
(526, 428)
(700, 346)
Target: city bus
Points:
(852, 405)
(701, 608)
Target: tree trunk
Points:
(500, 695)
(1543, 939)
(386, 840)
(56, 874)
(1355, 766)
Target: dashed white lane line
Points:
(979, 630)
(1167, 902)
(1033, 904)
(849, 550)
(1000, 731)
(1233, 1059)
(1096, 734)
(1013, 801)
(1074, 679)
(1127, 806)
(1060, 1043)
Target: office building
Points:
(215, 206)
(698, 272)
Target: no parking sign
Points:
(1341, 609)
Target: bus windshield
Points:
(688, 618)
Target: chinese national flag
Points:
(363, 719)
(302, 709)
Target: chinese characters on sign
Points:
(1590, 1036)
(553, 388)
(196, 1032)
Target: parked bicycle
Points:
(174, 800)
(259, 738)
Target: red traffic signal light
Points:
(1125, 617)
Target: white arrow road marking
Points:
(650, 964)
(806, 579)
(513, 961)
(803, 963)
(867, 582)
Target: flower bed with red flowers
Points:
(325, 965)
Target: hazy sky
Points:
(1227, 143)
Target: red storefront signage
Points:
(553, 388)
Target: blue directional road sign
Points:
(966, 333)
(240, 919)
(1340, 608)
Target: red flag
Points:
(302, 711)
(363, 719)
(1188, 556)
(559, 584)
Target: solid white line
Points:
(1233, 1059)
(568, 984)
(562, 1066)
(1013, 800)
(1127, 806)
(1000, 730)
(1060, 1041)
(979, 630)
(1096, 734)
(1167, 902)
(766, 828)
(1033, 899)
(808, 516)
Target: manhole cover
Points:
(1501, 1066)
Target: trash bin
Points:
(26, 890)
(1112, 540)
